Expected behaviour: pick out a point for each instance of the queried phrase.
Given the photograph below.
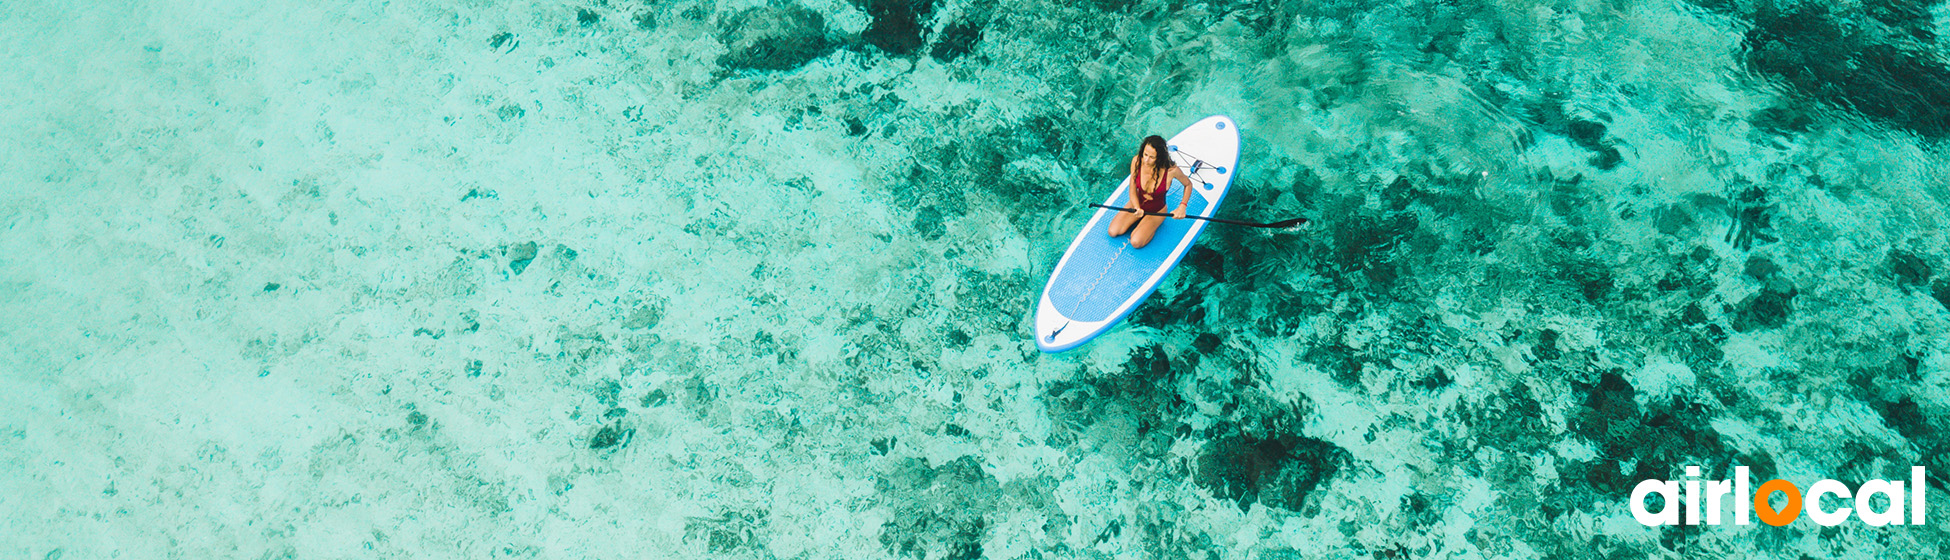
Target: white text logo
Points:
(1762, 502)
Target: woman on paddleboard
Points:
(1151, 173)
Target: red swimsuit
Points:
(1157, 201)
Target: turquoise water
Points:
(754, 279)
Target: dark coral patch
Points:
(773, 38)
(1910, 270)
(957, 39)
(611, 436)
(1872, 58)
(1279, 471)
(1654, 440)
(927, 223)
(1768, 310)
(897, 24)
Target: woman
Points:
(1151, 174)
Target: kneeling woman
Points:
(1151, 174)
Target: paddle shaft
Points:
(1279, 224)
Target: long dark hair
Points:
(1163, 161)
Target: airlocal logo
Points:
(1762, 503)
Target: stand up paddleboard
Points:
(1102, 278)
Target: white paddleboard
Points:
(1102, 278)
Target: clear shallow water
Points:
(602, 281)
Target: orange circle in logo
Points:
(1782, 516)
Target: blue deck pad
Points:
(1078, 290)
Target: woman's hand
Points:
(1178, 214)
(1135, 210)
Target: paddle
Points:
(1276, 225)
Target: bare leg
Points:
(1141, 235)
(1121, 223)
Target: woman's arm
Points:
(1134, 187)
(1185, 198)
